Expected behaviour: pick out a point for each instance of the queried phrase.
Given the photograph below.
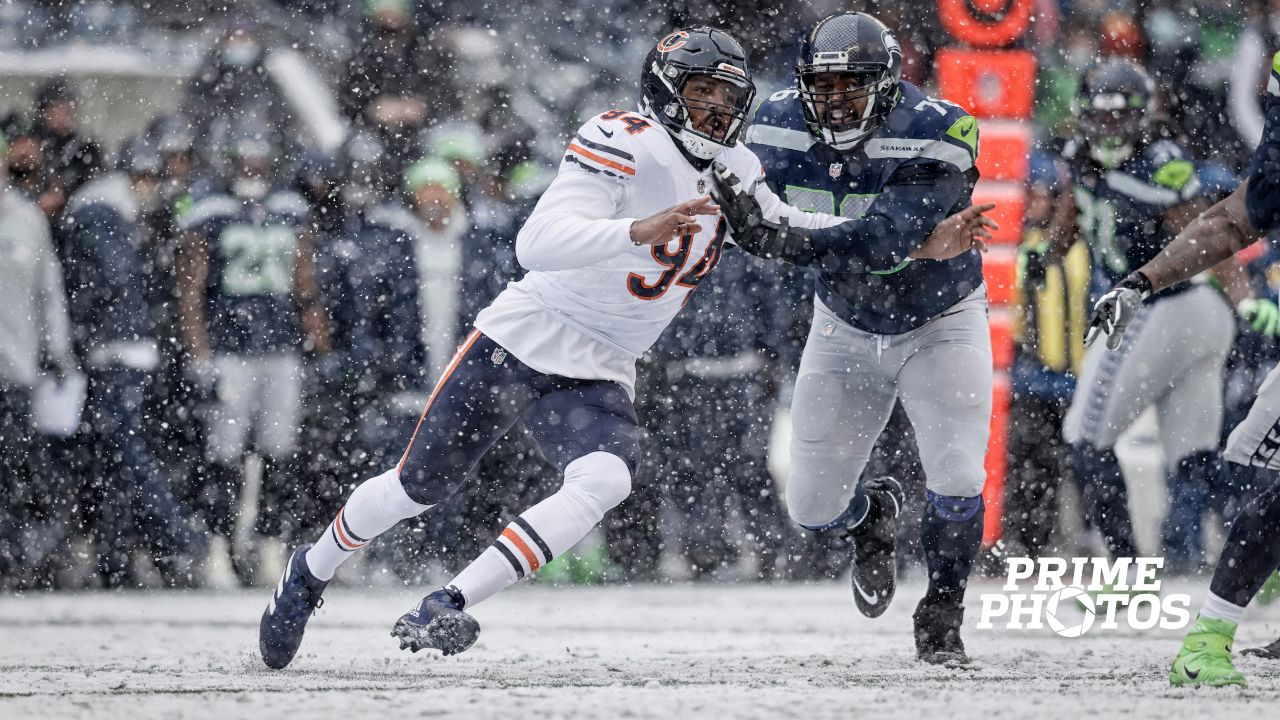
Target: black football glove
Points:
(1114, 311)
(751, 231)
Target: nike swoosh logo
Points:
(604, 132)
(968, 132)
(1193, 674)
(871, 599)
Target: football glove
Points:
(1263, 315)
(751, 231)
(1114, 311)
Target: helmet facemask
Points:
(1113, 125)
(844, 106)
(721, 123)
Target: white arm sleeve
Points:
(775, 209)
(575, 224)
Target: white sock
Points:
(1215, 608)
(593, 484)
(373, 508)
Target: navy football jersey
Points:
(1120, 212)
(252, 246)
(926, 152)
(1262, 197)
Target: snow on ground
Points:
(672, 651)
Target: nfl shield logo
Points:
(499, 356)
(702, 185)
(828, 330)
(835, 170)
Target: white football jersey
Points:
(593, 302)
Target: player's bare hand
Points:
(667, 225)
(967, 230)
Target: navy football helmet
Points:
(1115, 108)
(685, 54)
(849, 76)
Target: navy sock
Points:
(1106, 497)
(1251, 552)
(1190, 484)
(950, 534)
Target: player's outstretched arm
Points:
(1211, 237)
(768, 231)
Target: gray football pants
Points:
(848, 381)
(1171, 357)
(258, 393)
(1256, 440)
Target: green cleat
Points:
(1205, 657)
(1270, 591)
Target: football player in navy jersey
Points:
(248, 301)
(853, 139)
(1251, 551)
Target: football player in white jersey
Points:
(614, 248)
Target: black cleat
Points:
(937, 621)
(874, 572)
(1266, 652)
(438, 623)
(285, 619)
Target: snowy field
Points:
(656, 651)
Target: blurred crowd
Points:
(213, 331)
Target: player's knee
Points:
(811, 510)
(602, 477)
(429, 483)
(956, 473)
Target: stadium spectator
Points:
(34, 323)
(110, 294)
(70, 158)
(1053, 296)
(232, 96)
(390, 79)
(717, 378)
(367, 277)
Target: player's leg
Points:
(946, 385)
(473, 404)
(1114, 387)
(277, 439)
(842, 401)
(589, 430)
(1250, 553)
(1190, 421)
(227, 437)
(1248, 558)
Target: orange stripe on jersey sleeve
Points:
(574, 147)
